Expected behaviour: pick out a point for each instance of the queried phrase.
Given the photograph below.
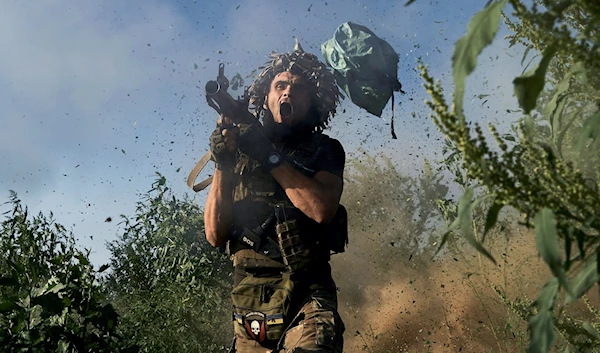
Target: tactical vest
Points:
(258, 197)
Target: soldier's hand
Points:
(223, 144)
(230, 133)
(254, 143)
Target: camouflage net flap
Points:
(327, 93)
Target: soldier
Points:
(274, 204)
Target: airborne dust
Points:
(396, 296)
(393, 300)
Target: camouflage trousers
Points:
(317, 328)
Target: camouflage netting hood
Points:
(327, 95)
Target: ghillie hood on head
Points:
(327, 94)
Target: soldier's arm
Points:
(316, 197)
(218, 209)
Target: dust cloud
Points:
(391, 301)
(394, 295)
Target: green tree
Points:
(169, 285)
(50, 300)
(534, 176)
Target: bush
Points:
(169, 285)
(50, 300)
(537, 174)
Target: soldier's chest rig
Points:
(268, 231)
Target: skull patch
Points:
(255, 325)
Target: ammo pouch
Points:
(261, 306)
(298, 252)
(295, 252)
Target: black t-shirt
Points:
(328, 156)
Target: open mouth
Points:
(285, 109)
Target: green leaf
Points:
(528, 126)
(443, 241)
(547, 297)
(63, 346)
(561, 88)
(525, 54)
(8, 305)
(546, 240)
(529, 85)
(580, 73)
(585, 279)
(454, 225)
(556, 119)
(541, 326)
(465, 216)
(492, 217)
(103, 268)
(50, 302)
(591, 129)
(83, 260)
(56, 288)
(589, 328)
(480, 33)
(529, 63)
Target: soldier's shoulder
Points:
(328, 142)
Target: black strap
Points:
(258, 239)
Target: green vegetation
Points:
(538, 175)
(170, 287)
(164, 291)
(50, 299)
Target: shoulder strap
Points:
(196, 171)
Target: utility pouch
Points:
(261, 306)
(336, 231)
(295, 252)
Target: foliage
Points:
(531, 176)
(481, 222)
(573, 90)
(169, 285)
(481, 33)
(49, 297)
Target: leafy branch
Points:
(529, 176)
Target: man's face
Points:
(289, 98)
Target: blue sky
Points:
(99, 96)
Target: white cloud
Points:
(66, 70)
